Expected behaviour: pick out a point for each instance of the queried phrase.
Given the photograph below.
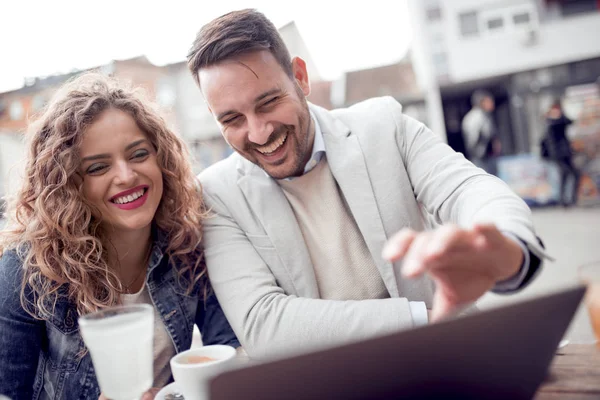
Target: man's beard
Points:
(300, 143)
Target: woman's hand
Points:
(149, 395)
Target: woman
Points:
(556, 147)
(108, 214)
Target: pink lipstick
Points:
(132, 204)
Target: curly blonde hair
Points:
(54, 228)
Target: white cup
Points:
(120, 343)
(192, 378)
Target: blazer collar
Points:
(349, 168)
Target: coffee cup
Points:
(193, 369)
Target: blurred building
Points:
(297, 47)
(18, 106)
(194, 122)
(171, 87)
(526, 52)
(192, 118)
(397, 80)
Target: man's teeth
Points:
(129, 198)
(273, 146)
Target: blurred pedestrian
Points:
(481, 133)
(557, 148)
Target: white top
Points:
(418, 308)
(341, 260)
(164, 349)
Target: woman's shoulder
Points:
(11, 265)
(11, 277)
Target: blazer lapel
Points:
(347, 164)
(276, 216)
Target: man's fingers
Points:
(489, 231)
(438, 249)
(446, 247)
(398, 245)
(465, 260)
(442, 306)
(413, 263)
(449, 239)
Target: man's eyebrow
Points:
(267, 94)
(224, 114)
(256, 100)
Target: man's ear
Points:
(301, 75)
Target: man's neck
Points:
(311, 142)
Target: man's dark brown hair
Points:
(236, 33)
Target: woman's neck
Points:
(128, 254)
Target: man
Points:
(480, 132)
(558, 149)
(303, 208)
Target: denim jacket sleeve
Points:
(213, 325)
(21, 335)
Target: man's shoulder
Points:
(377, 114)
(222, 174)
(473, 117)
(384, 104)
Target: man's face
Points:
(488, 104)
(262, 113)
(555, 112)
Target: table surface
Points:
(574, 374)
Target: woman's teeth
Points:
(129, 198)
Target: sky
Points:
(41, 37)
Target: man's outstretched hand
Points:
(463, 263)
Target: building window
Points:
(434, 14)
(469, 23)
(495, 23)
(16, 110)
(521, 18)
(38, 102)
(440, 63)
(573, 7)
(166, 95)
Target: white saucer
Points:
(169, 389)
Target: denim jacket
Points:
(41, 359)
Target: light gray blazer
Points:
(394, 173)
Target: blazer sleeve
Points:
(213, 325)
(452, 189)
(269, 322)
(21, 335)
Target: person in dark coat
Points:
(557, 148)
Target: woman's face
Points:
(121, 175)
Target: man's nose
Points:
(259, 130)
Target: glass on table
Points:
(120, 341)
